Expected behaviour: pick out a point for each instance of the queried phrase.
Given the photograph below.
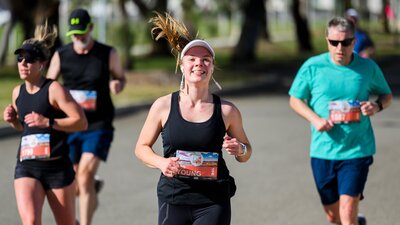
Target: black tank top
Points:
(39, 103)
(90, 72)
(178, 133)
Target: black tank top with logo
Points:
(90, 72)
(207, 136)
(39, 103)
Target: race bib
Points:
(344, 111)
(35, 146)
(86, 99)
(197, 165)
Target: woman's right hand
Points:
(10, 114)
(170, 166)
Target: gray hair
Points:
(342, 24)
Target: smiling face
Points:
(197, 65)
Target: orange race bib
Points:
(197, 165)
(344, 111)
(35, 146)
(86, 99)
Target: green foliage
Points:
(9, 78)
(15, 41)
(155, 62)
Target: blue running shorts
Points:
(340, 177)
(97, 142)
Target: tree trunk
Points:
(50, 10)
(4, 41)
(302, 30)
(385, 21)
(160, 47)
(127, 37)
(341, 6)
(254, 20)
(29, 14)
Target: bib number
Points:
(35, 146)
(198, 165)
(344, 111)
(86, 99)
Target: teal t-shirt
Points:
(320, 81)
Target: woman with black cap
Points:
(197, 127)
(44, 111)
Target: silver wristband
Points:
(244, 149)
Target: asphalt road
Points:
(275, 187)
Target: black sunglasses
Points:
(346, 42)
(28, 58)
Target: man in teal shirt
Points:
(332, 91)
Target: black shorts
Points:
(51, 174)
(207, 214)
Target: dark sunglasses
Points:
(28, 58)
(344, 43)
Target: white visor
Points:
(195, 43)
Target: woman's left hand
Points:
(231, 146)
(116, 86)
(36, 120)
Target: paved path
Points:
(275, 187)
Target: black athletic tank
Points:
(90, 72)
(203, 137)
(39, 103)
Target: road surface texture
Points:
(275, 187)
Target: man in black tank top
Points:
(90, 70)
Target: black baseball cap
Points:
(79, 22)
(31, 49)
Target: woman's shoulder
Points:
(228, 107)
(163, 102)
(16, 90)
(55, 85)
(160, 108)
(230, 113)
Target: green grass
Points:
(141, 93)
(8, 79)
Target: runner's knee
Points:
(333, 219)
